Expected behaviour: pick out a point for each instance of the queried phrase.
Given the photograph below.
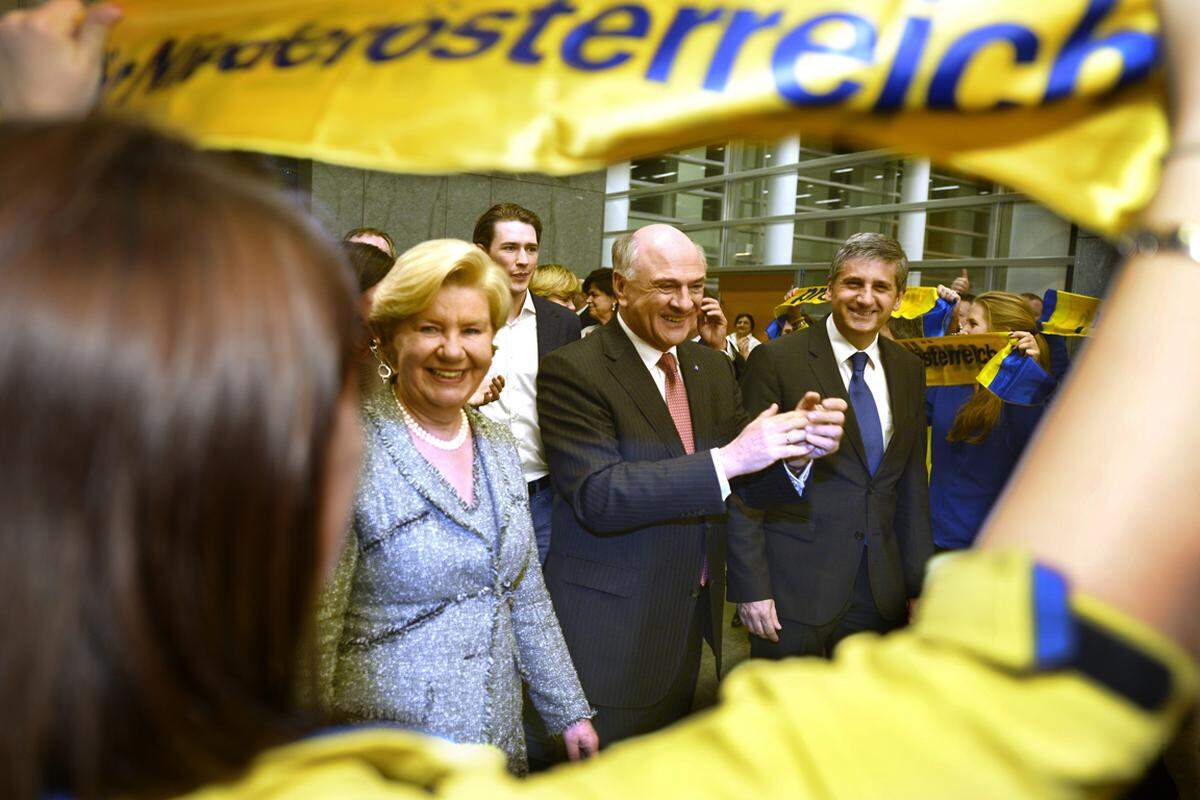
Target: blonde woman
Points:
(977, 437)
(438, 611)
(556, 283)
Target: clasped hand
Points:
(812, 430)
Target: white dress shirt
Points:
(516, 359)
(733, 343)
(873, 374)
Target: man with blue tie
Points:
(849, 554)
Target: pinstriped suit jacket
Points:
(633, 513)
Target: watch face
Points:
(1184, 239)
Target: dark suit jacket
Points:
(633, 513)
(805, 554)
(556, 326)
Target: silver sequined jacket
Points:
(438, 610)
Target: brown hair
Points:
(175, 340)
(391, 246)
(602, 279)
(485, 226)
(977, 417)
(873, 246)
(370, 264)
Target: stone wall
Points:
(413, 208)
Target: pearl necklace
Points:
(427, 437)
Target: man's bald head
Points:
(658, 275)
(659, 242)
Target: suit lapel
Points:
(544, 335)
(825, 368)
(897, 395)
(507, 486)
(695, 382)
(413, 467)
(630, 374)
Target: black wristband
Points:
(1183, 239)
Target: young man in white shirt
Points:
(511, 235)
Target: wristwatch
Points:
(1183, 239)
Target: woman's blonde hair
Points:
(1005, 312)
(421, 272)
(554, 280)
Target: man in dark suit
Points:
(850, 553)
(644, 432)
(511, 234)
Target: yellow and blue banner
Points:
(936, 321)
(807, 295)
(1067, 314)
(955, 360)
(917, 301)
(995, 89)
(988, 359)
(1016, 378)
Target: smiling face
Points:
(743, 326)
(661, 300)
(863, 296)
(443, 352)
(515, 248)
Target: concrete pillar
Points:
(781, 199)
(914, 188)
(1096, 262)
(616, 209)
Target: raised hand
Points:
(488, 393)
(711, 323)
(961, 284)
(770, 437)
(1025, 343)
(51, 59)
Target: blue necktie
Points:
(866, 412)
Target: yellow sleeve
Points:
(953, 707)
(956, 706)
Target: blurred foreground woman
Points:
(180, 448)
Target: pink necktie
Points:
(677, 404)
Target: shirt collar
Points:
(646, 351)
(527, 308)
(842, 349)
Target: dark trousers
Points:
(798, 639)
(614, 723)
(541, 506)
